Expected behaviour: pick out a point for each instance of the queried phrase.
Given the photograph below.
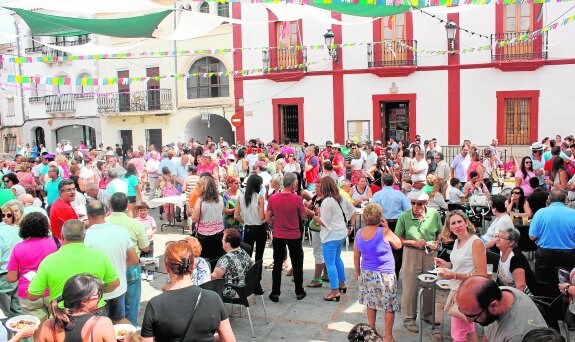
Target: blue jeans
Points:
(133, 293)
(333, 262)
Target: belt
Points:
(392, 220)
(419, 249)
(557, 250)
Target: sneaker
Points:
(144, 275)
(150, 277)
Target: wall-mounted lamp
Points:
(451, 29)
(329, 37)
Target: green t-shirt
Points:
(70, 260)
(5, 196)
(344, 151)
(132, 183)
(427, 188)
(410, 228)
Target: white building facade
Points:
(380, 88)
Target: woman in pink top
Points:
(475, 165)
(25, 259)
(524, 174)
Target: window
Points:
(123, 92)
(289, 123)
(513, 22)
(224, 9)
(288, 119)
(11, 111)
(393, 35)
(201, 86)
(154, 137)
(85, 89)
(288, 37)
(205, 7)
(517, 116)
(153, 88)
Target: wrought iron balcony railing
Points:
(286, 59)
(136, 101)
(392, 53)
(63, 103)
(49, 52)
(528, 49)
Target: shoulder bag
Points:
(192, 317)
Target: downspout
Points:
(21, 90)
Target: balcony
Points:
(527, 54)
(49, 52)
(56, 104)
(392, 57)
(286, 59)
(33, 49)
(136, 101)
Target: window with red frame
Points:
(517, 117)
(393, 50)
(519, 20)
(288, 37)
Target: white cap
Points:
(418, 196)
(378, 141)
(336, 145)
(536, 146)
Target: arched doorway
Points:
(218, 126)
(76, 133)
(39, 136)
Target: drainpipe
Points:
(20, 90)
(175, 58)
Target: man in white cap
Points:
(417, 227)
(538, 162)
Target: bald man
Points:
(506, 313)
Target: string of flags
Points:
(99, 81)
(498, 44)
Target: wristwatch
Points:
(566, 289)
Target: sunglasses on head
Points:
(7, 215)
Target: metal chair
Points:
(244, 292)
(216, 285)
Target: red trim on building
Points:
(272, 37)
(238, 65)
(376, 114)
(276, 103)
(338, 91)
(533, 117)
(454, 91)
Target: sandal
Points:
(315, 283)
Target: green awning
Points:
(52, 25)
(362, 9)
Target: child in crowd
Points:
(150, 226)
(169, 190)
(455, 193)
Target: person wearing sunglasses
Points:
(518, 203)
(415, 227)
(467, 258)
(524, 174)
(501, 220)
(483, 302)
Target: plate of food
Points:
(443, 284)
(427, 278)
(22, 322)
(122, 330)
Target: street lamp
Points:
(451, 29)
(329, 37)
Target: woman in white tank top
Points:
(468, 258)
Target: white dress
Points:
(462, 260)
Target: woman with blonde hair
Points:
(62, 162)
(468, 258)
(207, 214)
(25, 177)
(375, 267)
(17, 209)
(356, 164)
(437, 195)
(166, 318)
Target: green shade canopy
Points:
(51, 25)
(362, 9)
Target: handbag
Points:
(451, 307)
(494, 176)
(478, 201)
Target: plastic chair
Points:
(216, 285)
(553, 310)
(245, 291)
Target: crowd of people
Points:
(76, 223)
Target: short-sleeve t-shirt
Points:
(286, 209)
(166, 318)
(411, 228)
(515, 260)
(131, 183)
(70, 260)
(26, 257)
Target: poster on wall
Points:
(358, 130)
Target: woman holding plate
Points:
(468, 258)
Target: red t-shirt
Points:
(336, 160)
(60, 212)
(312, 175)
(286, 208)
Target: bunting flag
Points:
(89, 81)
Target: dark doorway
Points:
(154, 136)
(395, 120)
(126, 137)
(39, 134)
(124, 92)
(153, 88)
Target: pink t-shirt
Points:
(286, 209)
(149, 222)
(27, 256)
(527, 189)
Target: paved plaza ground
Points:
(311, 319)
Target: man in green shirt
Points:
(417, 228)
(71, 259)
